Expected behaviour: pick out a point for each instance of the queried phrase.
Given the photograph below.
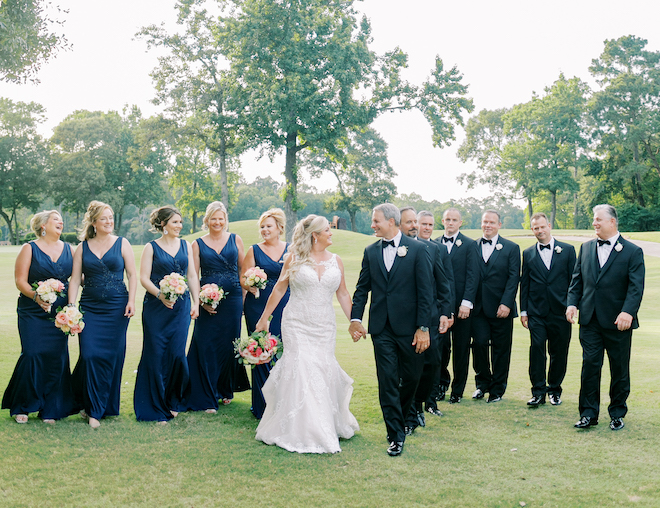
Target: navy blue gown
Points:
(253, 309)
(163, 370)
(41, 381)
(214, 371)
(97, 376)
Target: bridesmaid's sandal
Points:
(94, 423)
(174, 413)
(162, 423)
(21, 418)
(49, 421)
(226, 402)
(211, 411)
(83, 415)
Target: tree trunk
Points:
(353, 221)
(553, 215)
(223, 172)
(291, 185)
(118, 221)
(530, 208)
(194, 221)
(12, 234)
(575, 199)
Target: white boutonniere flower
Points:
(498, 246)
(459, 242)
(402, 251)
(558, 249)
(618, 247)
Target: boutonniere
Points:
(402, 251)
(459, 242)
(558, 249)
(618, 247)
(498, 246)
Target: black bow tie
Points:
(388, 242)
(450, 239)
(603, 242)
(485, 240)
(544, 247)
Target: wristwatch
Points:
(424, 329)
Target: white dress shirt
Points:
(546, 254)
(605, 250)
(389, 252)
(449, 245)
(487, 250)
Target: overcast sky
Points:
(505, 50)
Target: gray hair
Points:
(425, 213)
(609, 210)
(407, 209)
(499, 218)
(389, 211)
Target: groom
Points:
(398, 272)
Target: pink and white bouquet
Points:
(49, 290)
(173, 286)
(255, 277)
(258, 348)
(69, 320)
(211, 294)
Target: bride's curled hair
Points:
(303, 239)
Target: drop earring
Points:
(94, 229)
(43, 232)
(164, 231)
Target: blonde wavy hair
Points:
(277, 215)
(303, 239)
(40, 219)
(94, 211)
(213, 207)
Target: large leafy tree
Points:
(23, 160)
(27, 39)
(306, 77)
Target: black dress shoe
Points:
(616, 424)
(586, 422)
(494, 398)
(478, 394)
(441, 393)
(434, 411)
(420, 419)
(408, 430)
(555, 399)
(455, 399)
(395, 448)
(536, 401)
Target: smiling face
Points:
(409, 223)
(425, 224)
(604, 225)
(105, 223)
(218, 222)
(383, 228)
(54, 224)
(174, 225)
(269, 229)
(451, 220)
(542, 230)
(324, 238)
(490, 225)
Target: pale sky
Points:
(506, 50)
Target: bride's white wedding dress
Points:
(307, 393)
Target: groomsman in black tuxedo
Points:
(439, 321)
(465, 269)
(547, 269)
(398, 273)
(494, 308)
(607, 288)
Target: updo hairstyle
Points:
(94, 211)
(161, 216)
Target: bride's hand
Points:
(262, 325)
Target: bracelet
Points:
(34, 298)
(158, 295)
(70, 304)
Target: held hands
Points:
(422, 341)
(463, 312)
(525, 321)
(356, 330)
(623, 321)
(571, 313)
(503, 311)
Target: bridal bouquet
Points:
(69, 320)
(256, 277)
(173, 286)
(49, 290)
(211, 294)
(258, 348)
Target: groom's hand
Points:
(422, 341)
(356, 330)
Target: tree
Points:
(363, 173)
(26, 38)
(23, 159)
(306, 78)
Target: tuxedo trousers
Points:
(398, 368)
(430, 373)
(461, 337)
(595, 340)
(552, 332)
(492, 342)
(445, 347)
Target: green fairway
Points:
(478, 454)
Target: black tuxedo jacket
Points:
(444, 280)
(499, 278)
(405, 296)
(608, 291)
(544, 291)
(465, 269)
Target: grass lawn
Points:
(499, 455)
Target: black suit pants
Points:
(399, 369)
(554, 332)
(595, 341)
(461, 336)
(494, 336)
(445, 347)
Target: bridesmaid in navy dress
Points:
(214, 371)
(41, 381)
(162, 375)
(269, 256)
(102, 258)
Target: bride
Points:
(307, 393)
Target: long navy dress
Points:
(214, 371)
(42, 378)
(97, 376)
(163, 370)
(253, 309)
